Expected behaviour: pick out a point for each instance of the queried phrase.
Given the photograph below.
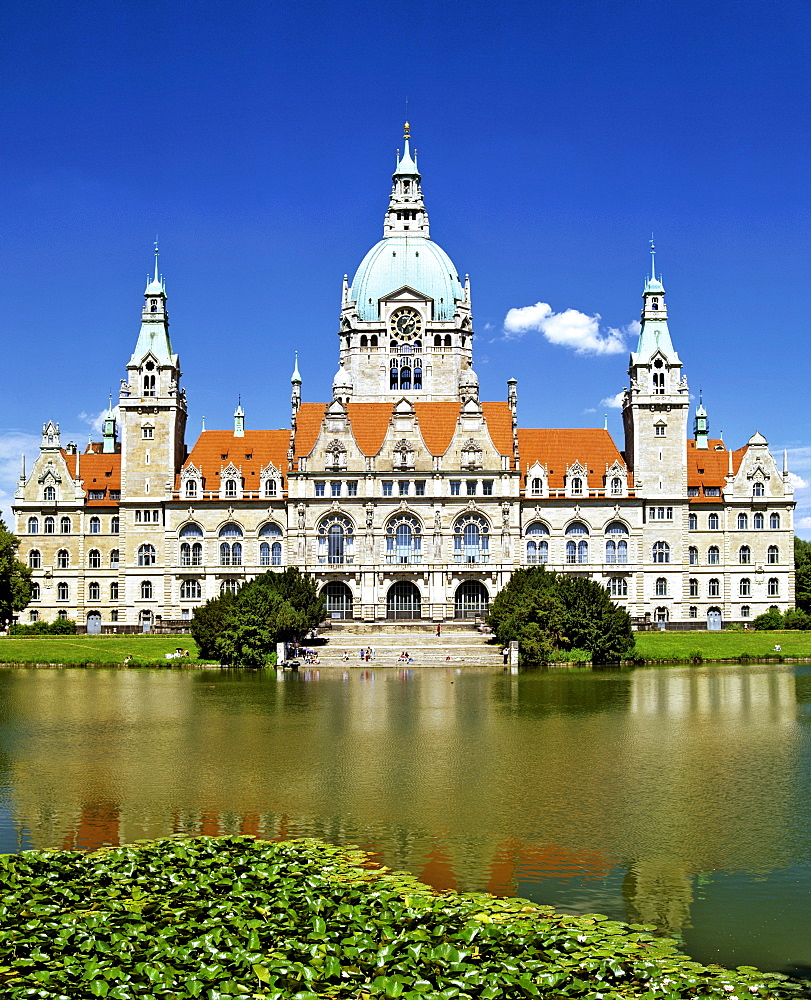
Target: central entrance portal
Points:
(403, 601)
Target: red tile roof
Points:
(216, 449)
(559, 448)
(308, 426)
(97, 472)
(500, 424)
(710, 467)
(437, 423)
(369, 423)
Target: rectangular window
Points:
(114, 615)
(470, 485)
(388, 487)
(487, 488)
(320, 488)
(692, 491)
(419, 488)
(137, 516)
(352, 489)
(148, 433)
(402, 488)
(712, 491)
(156, 516)
(115, 494)
(456, 487)
(335, 488)
(660, 430)
(95, 494)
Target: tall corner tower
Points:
(152, 406)
(656, 404)
(406, 326)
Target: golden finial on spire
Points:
(406, 131)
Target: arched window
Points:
(693, 611)
(712, 522)
(661, 614)
(33, 525)
(146, 555)
(773, 554)
(616, 486)
(62, 592)
(618, 586)
(94, 559)
(774, 521)
(773, 587)
(437, 340)
(713, 555)
(758, 490)
(714, 587)
(191, 487)
(471, 539)
(394, 374)
(447, 340)
(336, 541)
(692, 553)
(417, 374)
(146, 590)
(744, 555)
(114, 590)
(693, 587)
(149, 385)
(472, 600)
(229, 587)
(190, 590)
(743, 521)
(62, 559)
(230, 530)
(230, 553)
(35, 591)
(758, 521)
(692, 522)
(65, 525)
(745, 587)
(405, 377)
(661, 552)
(745, 611)
(95, 525)
(114, 558)
(616, 548)
(35, 559)
(661, 587)
(50, 526)
(577, 486)
(114, 522)
(270, 552)
(577, 551)
(230, 487)
(49, 494)
(403, 539)
(93, 591)
(537, 543)
(270, 487)
(364, 340)
(191, 554)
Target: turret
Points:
(295, 394)
(239, 421)
(406, 212)
(109, 429)
(701, 426)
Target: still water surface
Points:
(678, 797)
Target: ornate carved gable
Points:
(190, 472)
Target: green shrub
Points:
(62, 626)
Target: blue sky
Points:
(257, 140)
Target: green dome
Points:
(406, 260)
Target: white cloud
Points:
(96, 420)
(570, 328)
(804, 522)
(613, 402)
(797, 481)
(12, 445)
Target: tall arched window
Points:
(114, 590)
(417, 373)
(114, 523)
(66, 527)
(774, 521)
(693, 587)
(714, 587)
(616, 547)
(95, 525)
(146, 555)
(661, 552)
(537, 486)
(773, 588)
(773, 554)
(743, 521)
(49, 494)
(50, 526)
(713, 555)
(62, 559)
(230, 487)
(692, 522)
(62, 592)
(616, 486)
(404, 539)
(146, 590)
(270, 488)
(35, 559)
(577, 486)
(537, 535)
(336, 540)
(744, 554)
(35, 591)
(191, 549)
(33, 525)
(270, 549)
(661, 587)
(93, 591)
(229, 587)
(191, 487)
(94, 559)
(692, 553)
(394, 374)
(471, 539)
(745, 587)
(149, 385)
(758, 490)
(712, 522)
(758, 521)
(577, 546)
(114, 558)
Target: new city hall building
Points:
(405, 495)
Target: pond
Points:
(677, 797)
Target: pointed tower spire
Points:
(785, 463)
(406, 212)
(295, 394)
(109, 429)
(239, 419)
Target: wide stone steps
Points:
(462, 647)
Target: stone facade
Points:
(406, 495)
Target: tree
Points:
(242, 629)
(15, 577)
(802, 574)
(548, 611)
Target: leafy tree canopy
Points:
(242, 629)
(802, 574)
(548, 611)
(15, 577)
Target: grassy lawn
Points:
(78, 649)
(720, 645)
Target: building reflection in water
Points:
(603, 791)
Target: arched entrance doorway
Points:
(145, 620)
(339, 599)
(714, 619)
(472, 600)
(93, 623)
(403, 601)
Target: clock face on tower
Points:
(405, 323)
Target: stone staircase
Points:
(460, 645)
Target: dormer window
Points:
(230, 488)
(577, 487)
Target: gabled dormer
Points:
(615, 482)
(191, 482)
(577, 480)
(270, 481)
(537, 480)
(231, 482)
